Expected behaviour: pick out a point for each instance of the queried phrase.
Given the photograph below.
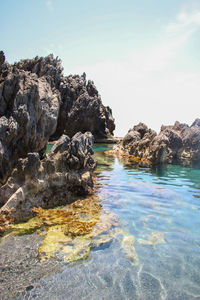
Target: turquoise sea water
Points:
(156, 254)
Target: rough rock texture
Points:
(29, 110)
(81, 106)
(49, 67)
(2, 58)
(82, 109)
(177, 144)
(65, 172)
(37, 102)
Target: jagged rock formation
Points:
(177, 144)
(2, 58)
(29, 110)
(37, 102)
(65, 172)
(81, 108)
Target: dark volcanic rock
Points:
(29, 110)
(82, 109)
(81, 106)
(37, 102)
(48, 66)
(2, 58)
(177, 144)
(65, 172)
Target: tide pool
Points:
(137, 237)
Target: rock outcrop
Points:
(81, 107)
(65, 172)
(29, 110)
(177, 144)
(38, 103)
(2, 58)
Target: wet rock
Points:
(66, 171)
(177, 144)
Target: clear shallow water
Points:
(153, 253)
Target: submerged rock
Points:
(177, 144)
(65, 172)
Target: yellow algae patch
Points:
(70, 232)
(124, 157)
(80, 249)
(28, 227)
(54, 237)
(75, 239)
(154, 239)
(6, 221)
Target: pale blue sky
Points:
(142, 54)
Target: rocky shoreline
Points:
(65, 172)
(38, 104)
(177, 144)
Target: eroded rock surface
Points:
(29, 109)
(177, 144)
(82, 109)
(81, 106)
(37, 102)
(65, 172)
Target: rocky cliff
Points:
(177, 144)
(38, 103)
(65, 172)
(81, 108)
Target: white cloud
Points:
(149, 85)
(184, 21)
(49, 5)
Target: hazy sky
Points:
(143, 55)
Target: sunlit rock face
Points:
(37, 102)
(66, 171)
(81, 107)
(29, 110)
(177, 144)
